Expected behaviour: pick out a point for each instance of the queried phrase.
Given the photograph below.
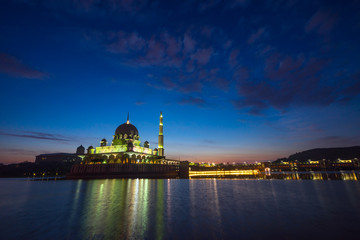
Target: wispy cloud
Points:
(139, 103)
(335, 141)
(322, 22)
(200, 102)
(18, 151)
(290, 81)
(209, 141)
(283, 72)
(38, 135)
(256, 35)
(14, 67)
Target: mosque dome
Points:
(126, 128)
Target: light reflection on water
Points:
(308, 175)
(178, 209)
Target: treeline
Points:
(31, 169)
(324, 153)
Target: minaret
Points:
(128, 121)
(161, 137)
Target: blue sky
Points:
(236, 80)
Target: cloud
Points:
(254, 106)
(233, 57)
(110, 5)
(322, 22)
(123, 42)
(288, 81)
(335, 141)
(279, 73)
(200, 102)
(241, 73)
(14, 67)
(189, 43)
(139, 103)
(353, 89)
(209, 141)
(237, 3)
(256, 35)
(18, 151)
(208, 5)
(173, 45)
(155, 51)
(183, 67)
(202, 56)
(38, 135)
(222, 83)
(133, 49)
(207, 31)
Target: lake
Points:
(179, 209)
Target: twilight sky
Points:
(237, 80)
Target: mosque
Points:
(126, 148)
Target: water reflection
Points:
(158, 209)
(180, 209)
(119, 209)
(311, 175)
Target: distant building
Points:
(57, 158)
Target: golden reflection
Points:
(144, 198)
(316, 176)
(133, 206)
(217, 207)
(94, 207)
(168, 198)
(118, 209)
(160, 209)
(348, 176)
(76, 199)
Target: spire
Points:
(161, 137)
(127, 121)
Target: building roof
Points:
(126, 128)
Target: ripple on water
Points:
(178, 209)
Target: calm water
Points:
(179, 209)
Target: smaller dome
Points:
(80, 150)
(91, 147)
(103, 139)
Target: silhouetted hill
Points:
(325, 153)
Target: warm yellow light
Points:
(223, 173)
